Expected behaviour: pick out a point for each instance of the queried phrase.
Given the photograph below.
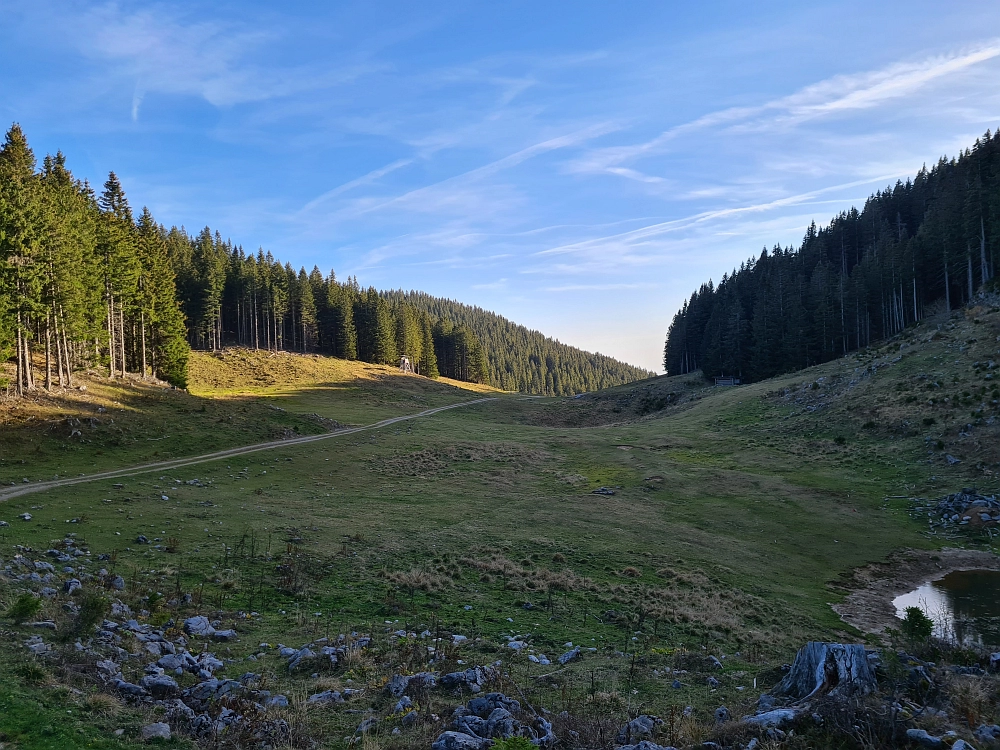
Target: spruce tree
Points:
(22, 223)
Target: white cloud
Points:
(158, 50)
(836, 95)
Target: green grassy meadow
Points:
(738, 514)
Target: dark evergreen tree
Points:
(928, 243)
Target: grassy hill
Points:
(235, 397)
(738, 516)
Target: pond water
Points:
(964, 605)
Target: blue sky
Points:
(577, 167)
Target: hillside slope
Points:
(236, 397)
(652, 524)
(520, 359)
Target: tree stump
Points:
(834, 669)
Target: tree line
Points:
(82, 280)
(520, 359)
(84, 283)
(916, 247)
(234, 298)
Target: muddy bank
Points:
(869, 605)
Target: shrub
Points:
(94, 608)
(916, 625)
(24, 608)
(32, 673)
(513, 743)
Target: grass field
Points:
(736, 518)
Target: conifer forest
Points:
(85, 283)
(915, 248)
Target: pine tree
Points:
(161, 311)
(21, 229)
(120, 267)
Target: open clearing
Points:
(738, 515)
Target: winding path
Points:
(27, 489)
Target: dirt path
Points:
(27, 489)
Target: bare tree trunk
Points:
(19, 372)
(121, 323)
(947, 284)
(66, 351)
(111, 337)
(48, 351)
(142, 326)
(30, 382)
(968, 256)
(59, 351)
(984, 266)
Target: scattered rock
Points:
(325, 698)
(160, 686)
(922, 738)
(640, 728)
(489, 717)
(722, 715)
(159, 730)
(987, 733)
(459, 741)
(129, 688)
(471, 679)
(603, 491)
(569, 656)
(199, 626)
(774, 718)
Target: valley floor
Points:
(725, 520)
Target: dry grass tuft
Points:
(969, 699)
(416, 579)
(102, 704)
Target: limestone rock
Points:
(459, 741)
(640, 728)
(922, 738)
(159, 730)
(199, 626)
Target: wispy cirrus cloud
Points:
(460, 193)
(366, 179)
(162, 50)
(836, 95)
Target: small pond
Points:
(964, 605)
